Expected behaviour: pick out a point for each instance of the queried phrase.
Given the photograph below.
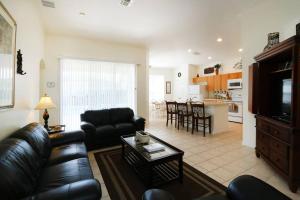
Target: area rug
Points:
(123, 183)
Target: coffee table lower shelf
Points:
(154, 174)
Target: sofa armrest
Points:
(86, 189)
(61, 138)
(87, 127)
(139, 123)
(248, 187)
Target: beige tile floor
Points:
(221, 156)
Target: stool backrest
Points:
(198, 110)
(171, 106)
(182, 108)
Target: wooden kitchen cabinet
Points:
(224, 78)
(236, 75)
(210, 83)
(217, 82)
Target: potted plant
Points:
(217, 67)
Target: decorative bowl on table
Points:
(142, 137)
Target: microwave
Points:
(234, 84)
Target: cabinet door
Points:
(217, 82)
(224, 78)
(236, 75)
(253, 88)
(210, 83)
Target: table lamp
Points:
(45, 103)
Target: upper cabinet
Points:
(217, 82)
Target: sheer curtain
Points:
(90, 85)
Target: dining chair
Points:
(198, 114)
(171, 112)
(184, 115)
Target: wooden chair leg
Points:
(204, 121)
(167, 120)
(197, 124)
(178, 122)
(187, 123)
(193, 125)
(171, 118)
(209, 121)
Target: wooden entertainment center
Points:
(274, 96)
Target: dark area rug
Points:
(123, 183)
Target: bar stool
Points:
(198, 113)
(184, 115)
(171, 107)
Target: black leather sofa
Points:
(104, 127)
(36, 166)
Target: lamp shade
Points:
(45, 103)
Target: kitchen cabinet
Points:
(217, 82)
(210, 83)
(224, 78)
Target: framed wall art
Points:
(8, 29)
(168, 87)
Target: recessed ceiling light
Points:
(240, 50)
(82, 13)
(219, 40)
(209, 57)
(190, 50)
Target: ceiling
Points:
(166, 27)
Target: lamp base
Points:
(46, 117)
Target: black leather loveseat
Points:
(104, 127)
(36, 166)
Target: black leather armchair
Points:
(104, 127)
(248, 187)
(34, 166)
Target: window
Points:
(92, 85)
(156, 88)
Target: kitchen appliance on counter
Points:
(235, 105)
(198, 92)
(234, 84)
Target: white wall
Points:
(269, 16)
(168, 76)
(181, 83)
(30, 39)
(73, 47)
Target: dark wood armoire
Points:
(274, 96)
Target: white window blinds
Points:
(91, 85)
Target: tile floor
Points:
(221, 156)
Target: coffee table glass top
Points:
(168, 151)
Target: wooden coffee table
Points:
(153, 168)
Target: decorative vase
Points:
(217, 71)
(298, 29)
(273, 38)
(198, 76)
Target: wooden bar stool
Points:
(198, 114)
(171, 112)
(184, 115)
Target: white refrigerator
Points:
(198, 92)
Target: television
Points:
(286, 99)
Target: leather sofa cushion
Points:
(37, 136)
(125, 128)
(64, 173)
(121, 115)
(67, 152)
(96, 117)
(105, 131)
(19, 168)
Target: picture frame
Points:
(168, 87)
(8, 33)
